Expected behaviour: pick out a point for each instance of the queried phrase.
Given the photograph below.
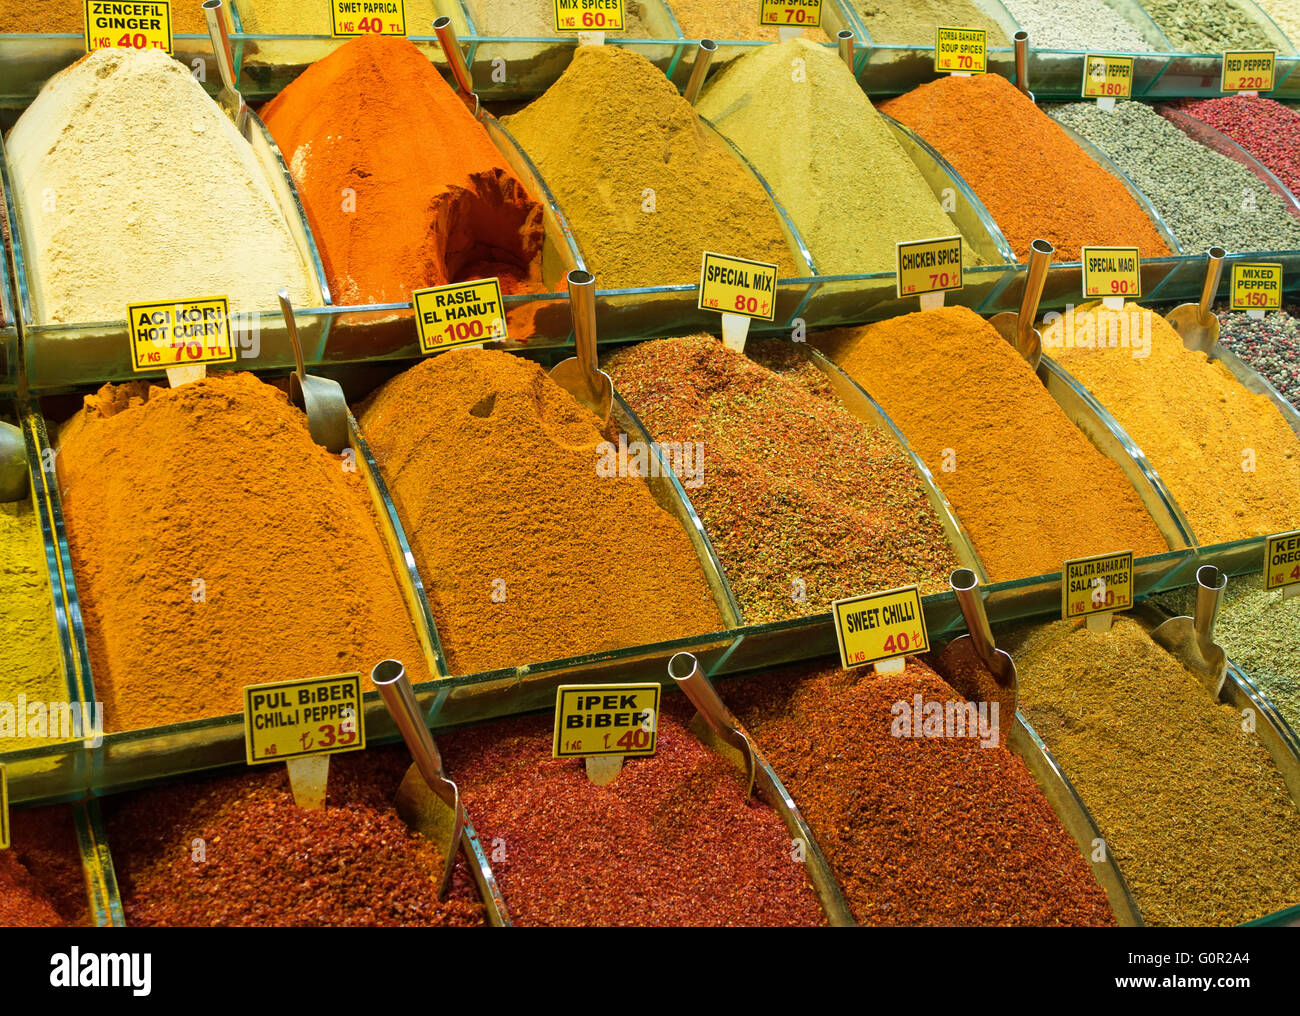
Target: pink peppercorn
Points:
(1268, 130)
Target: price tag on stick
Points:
(960, 51)
(115, 25)
(373, 17)
(790, 13)
(183, 336)
(1256, 288)
(1107, 78)
(880, 628)
(605, 723)
(596, 16)
(928, 269)
(1248, 73)
(1096, 587)
(741, 290)
(461, 314)
(1113, 274)
(1282, 564)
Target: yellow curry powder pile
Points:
(526, 551)
(1226, 454)
(1030, 488)
(216, 545)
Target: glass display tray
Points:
(9, 367)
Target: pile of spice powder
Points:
(1091, 25)
(1190, 805)
(804, 502)
(613, 139)
(914, 22)
(41, 880)
(671, 842)
(827, 155)
(1207, 26)
(548, 558)
(123, 168)
(534, 19)
(216, 545)
(919, 830)
(69, 16)
(1033, 178)
(1271, 346)
(730, 19)
(431, 200)
(1226, 455)
(965, 399)
(1286, 15)
(1205, 198)
(261, 861)
(30, 663)
(1268, 130)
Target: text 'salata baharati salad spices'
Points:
(965, 399)
(402, 185)
(136, 187)
(1186, 796)
(215, 545)
(1271, 346)
(920, 830)
(797, 113)
(668, 189)
(1033, 178)
(41, 880)
(1227, 455)
(558, 549)
(238, 852)
(670, 842)
(803, 502)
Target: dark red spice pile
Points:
(919, 831)
(41, 879)
(670, 842)
(270, 863)
(1268, 130)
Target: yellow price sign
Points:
(1112, 271)
(291, 719)
(1282, 561)
(790, 13)
(115, 25)
(374, 17)
(1248, 71)
(960, 50)
(180, 333)
(589, 15)
(605, 719)
(1256, 287)
(4, 810)
(461, 314)
(928, 266)
(880, 626)
(1097, 585)
(737, 286)
(1107, 77)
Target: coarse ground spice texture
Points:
(965, 400)
(64, 16)
(536, 19)
(670, 842)
(1227, 455)
(403, 187)
(215, 545)
(919, 830)
(1207, 26)
(238, 852)
(1267, 129)
(41, 880)
(1286, 15)
(1271, 346)
(1033, 178)
(644, 184)
(803, 502)
(730, 19)
(1191, 805)
(1091, 25)
(547, 558)
(913, 22)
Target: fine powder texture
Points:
(1205, 198)
(41, 879)
(29, 649)
(670, 842)
(803, 502)
(919, 830)
(1226, 454)
(1011, 462)
(1033, 178)
(1268, 130)
(546, 558)
(613, 128)
(796, 112)
(1190, 805)
(64, 16)
(914, 22)
(534, 19)
(1091, 25)
(402, 186)
(1271, 346)
(1286, 15)
(731, 19)
(1207, 26)
(215, 545)
(266, 862)
(137, 187)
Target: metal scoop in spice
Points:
(14, 481)
(427, 801)
(1018, 329)
(581, 375)
(699, 70)
(978, 646)
(446, 34)
(1191, 640)
(230, 98)
(320, 398)
(1195, 322)
(684, 668)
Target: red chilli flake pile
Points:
(670, 842)
(41, 879)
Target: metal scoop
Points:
(427, 801)
(14, 480)
(320, 398)
(230, 98)
(978, 645)
(684, 668)
(446, 33)
(699, 70)
(1192, 639)
(1197, 325)
(581, 375)
(1018, 329)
